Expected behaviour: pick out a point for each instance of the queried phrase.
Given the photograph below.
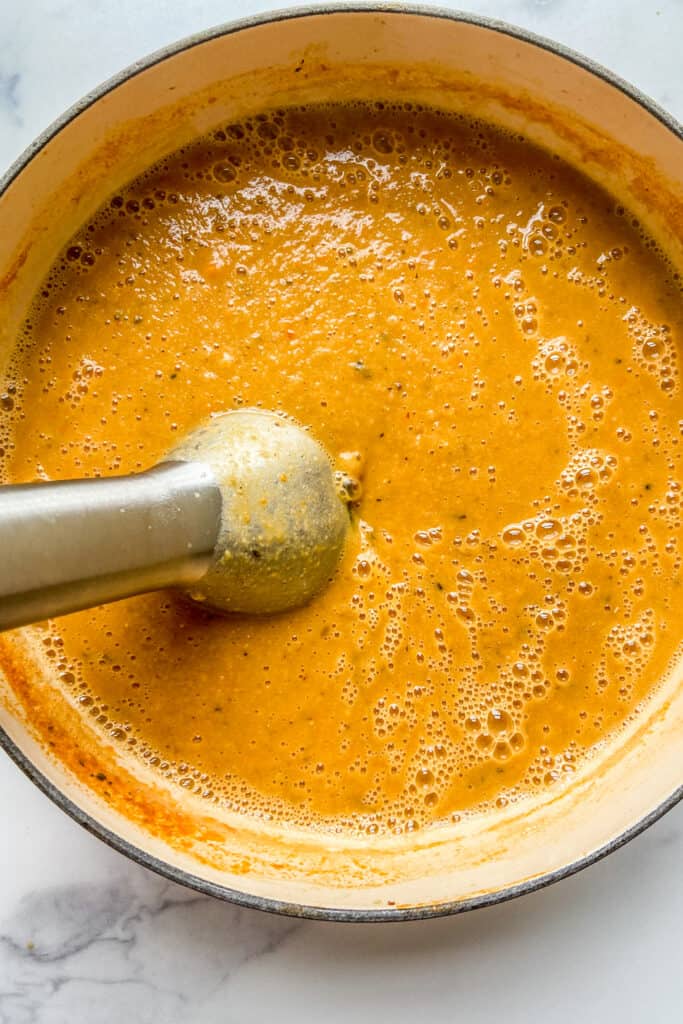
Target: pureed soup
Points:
(485, 342)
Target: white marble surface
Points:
(85, 936)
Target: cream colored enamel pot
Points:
(455, 61)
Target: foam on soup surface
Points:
(487, 345)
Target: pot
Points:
(453, 61)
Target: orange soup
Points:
(488, 343)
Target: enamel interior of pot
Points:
(444, 63)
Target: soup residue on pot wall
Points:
(488, 344)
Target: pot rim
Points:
(65, 803)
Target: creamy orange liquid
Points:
(481, 336)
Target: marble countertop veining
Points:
(86, 936)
